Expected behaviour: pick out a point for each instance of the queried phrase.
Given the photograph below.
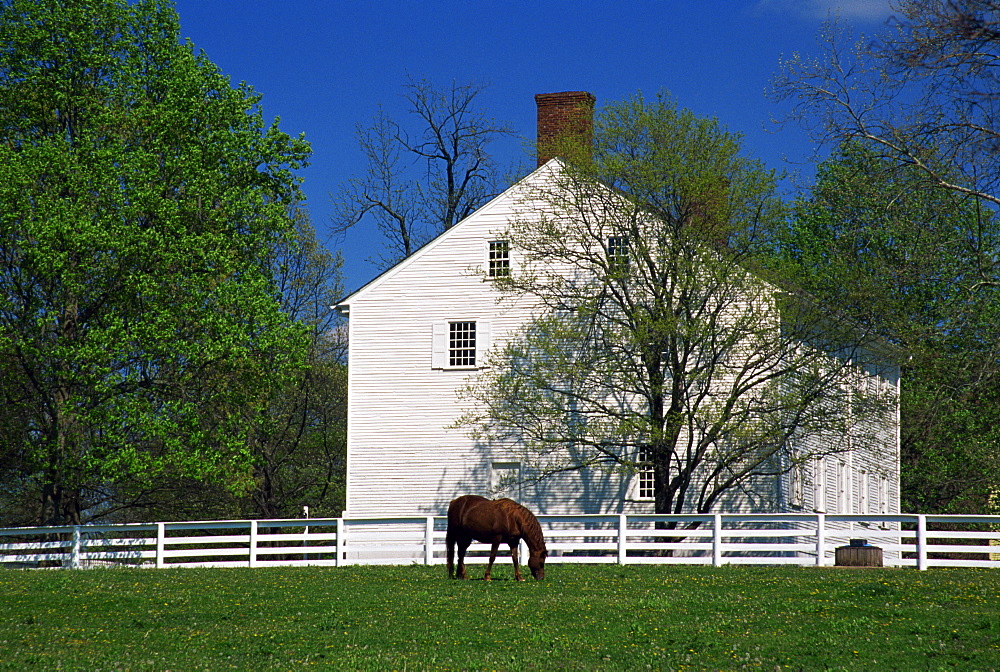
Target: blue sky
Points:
(324, 66)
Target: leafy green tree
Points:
(13, 443)
(656, 345)
(917, 102)
(142, 195)
(300, 444)
(297, 446)
(896, 254)
(921, 93)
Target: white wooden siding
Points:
(405, 457)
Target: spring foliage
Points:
(141, 195)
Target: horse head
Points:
(536, 563)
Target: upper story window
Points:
(499, 259)
(617, 255)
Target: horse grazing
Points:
(494, 522)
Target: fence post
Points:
(820, 539)
(253, 543)
(74, 551)
(717, 540)
(429, 541)
(622, 547)
(305, 533)
(161, 534)
(341, 543)
(921, 542)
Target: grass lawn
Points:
(579, 618)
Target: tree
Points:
(922, 93)
(300, 445)
(871, 238)
(142, 195)
(656, 345)
(14, 414)
(920, 100)
(297, 447)
(421, 182)
(298, 438)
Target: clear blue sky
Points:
(324, 66)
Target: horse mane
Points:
(531, 530)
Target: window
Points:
(499, 259)
(617, 255)
(645, 481)
(819, 485)
(863, 485)
(796, 485)
(461, 344)
(883, 493)
(843, 487)
(505, 480)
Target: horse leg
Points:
(493, 556)
(463, 546)
(517, 565)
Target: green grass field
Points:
(579, 618)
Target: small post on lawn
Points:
(717, 540)
(305, 535)
(921, 542)
(820, 538)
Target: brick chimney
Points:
(569, 114)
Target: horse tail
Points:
(451, 536)
(450, 543)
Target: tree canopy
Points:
(920, 92)
(659, 346)
(873, 239)
(902, 226)
(141, 197)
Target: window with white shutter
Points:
(460, 344)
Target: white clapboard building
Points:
(418, 331)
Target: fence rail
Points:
(921, 541)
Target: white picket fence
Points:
(920, 541)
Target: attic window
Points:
(499, 259)
(462, 344)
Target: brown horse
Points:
(494, 522)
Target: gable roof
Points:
(537, 175)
